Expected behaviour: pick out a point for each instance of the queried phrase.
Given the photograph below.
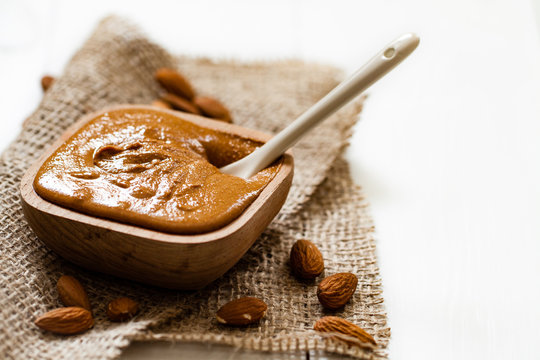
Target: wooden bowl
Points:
(152, 257)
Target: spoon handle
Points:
(364, 77)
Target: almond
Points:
(173, 82)
(122, 309)
(72, 292)
(66, 321)
(212, 108)
(306, 260)
(336, 290)
(243, 311)
(334, 324)
(161, 104)
(179, 103)
(46, 82)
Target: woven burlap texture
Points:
(116, 66)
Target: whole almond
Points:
(306, 260)
(212, 108)
(122, 309)
(243, 311)
(46, 82)
(66, 321)
(334, 324)
(72, 293)
(336, 290)
(179, 103)
(161, 104)
(173, 82)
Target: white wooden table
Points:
(447, 150)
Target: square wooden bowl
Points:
(157, 258)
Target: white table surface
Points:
(447, 150)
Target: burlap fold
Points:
(115, 66)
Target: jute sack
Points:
(116, 65)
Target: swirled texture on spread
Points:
(151, 169)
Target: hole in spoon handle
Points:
(389, 53)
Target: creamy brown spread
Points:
(151, 169)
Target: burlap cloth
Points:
(115, 66)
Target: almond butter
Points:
(173, 82)
(306, 260)
(122, 309)
(243, 311)
(66, 321)
(212, 108)
(336, 290)
(334, 324)
(72, 293)
(161, 104)
(46, 82)
(179, 103)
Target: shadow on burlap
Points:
(115, 66)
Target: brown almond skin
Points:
(181, 104)
(122, 309)
(306, 260)
(241, 312)
(72, 293)
(161, 104)
(46, 82)
(336, 290)
(173, 82)
(334, 324)
(66, 321)
(212, 108)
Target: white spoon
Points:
(364, 77)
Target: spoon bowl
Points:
(157, 258)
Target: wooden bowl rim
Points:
(37, 202)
